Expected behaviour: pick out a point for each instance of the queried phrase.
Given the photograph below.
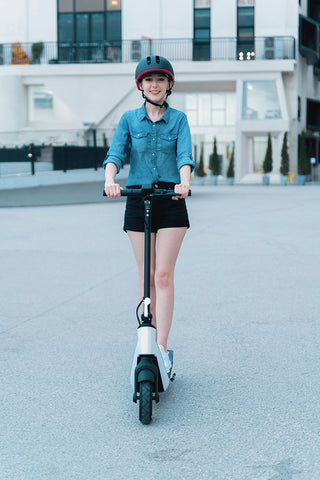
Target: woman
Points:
(160, 154)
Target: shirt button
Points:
(153, 154)
(154, 125)
(153, 139)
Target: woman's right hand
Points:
(112, 189)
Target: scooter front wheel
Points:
(145, 402)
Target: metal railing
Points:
(262, 48)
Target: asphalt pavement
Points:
(246, 336)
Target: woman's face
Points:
(155, 86)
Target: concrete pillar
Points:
(12, 103)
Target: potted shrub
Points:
(230, 171)
(37, 49)
(267, 163)
(303, 164)
(284, 166)
(214, 163)
(199, 170)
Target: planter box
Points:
(200, 180)
(284, 180)
(265, 180)
(301, 179)
(230, 180)
(213, 179)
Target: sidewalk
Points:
(246, 336)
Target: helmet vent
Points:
(157, 59)
(149, 60)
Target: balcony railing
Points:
(262, 48)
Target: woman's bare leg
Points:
(137, 242)
(169, 241)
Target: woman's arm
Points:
(184, 186)
(112, 189)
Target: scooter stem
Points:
(147, 317)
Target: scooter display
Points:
(149, 376)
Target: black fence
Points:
(62, 158)
(72, 158)
(262, 48)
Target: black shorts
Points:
(165, 213)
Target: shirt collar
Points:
(142, 113)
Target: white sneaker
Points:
(165, 357)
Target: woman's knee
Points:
(163, 278)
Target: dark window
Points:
(245, 33)
(113, 26)
(89, 26)
(82, 27)
(201, 43)
(66, 27)
(299, 109)
(97, 27)
(314, 10)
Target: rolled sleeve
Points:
(118, 150)
(184, 145)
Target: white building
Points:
(243, 68)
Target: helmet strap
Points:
(153, 103)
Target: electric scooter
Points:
(149, 376)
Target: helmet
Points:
(153, 64)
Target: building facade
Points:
(244, 68)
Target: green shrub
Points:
(230, 171)
(267, 163)
(199, 170)
(303, 164)
(284, 167)
(214, 159)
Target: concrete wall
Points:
(28, 21)
(157, 19)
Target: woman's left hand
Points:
(183, 189)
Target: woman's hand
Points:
(112, 189)
(183, 189)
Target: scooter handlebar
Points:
(146, 190)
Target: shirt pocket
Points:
(139, 142)
(169, 143)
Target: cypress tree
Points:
(230, 171)
(267, 163)
(214, 159)
(284, 167)
(200, 166)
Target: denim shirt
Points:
(157, 149)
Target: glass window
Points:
(66, 33)
(97, 27)
(89, 5)
(259, 145)
(202, 18)
(113, 4)
(245, 16)
(82, 27)
(260, 100)
(40, 103)
(65, 5)
(202, 34)
(113, 25)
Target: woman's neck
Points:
(154, 112)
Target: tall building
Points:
(244, 68)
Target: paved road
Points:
(245, 403)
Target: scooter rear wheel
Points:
(145, 402)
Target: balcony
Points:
(263, 48)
